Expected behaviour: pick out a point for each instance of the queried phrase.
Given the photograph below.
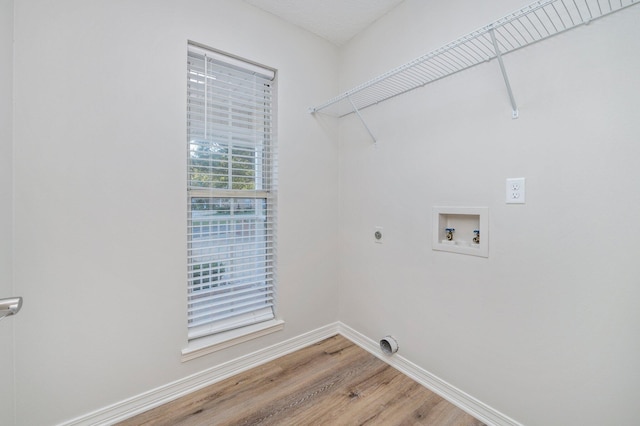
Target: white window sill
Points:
(209, 344)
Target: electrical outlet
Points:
(515, 191)
(377, 234)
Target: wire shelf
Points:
(535, 22)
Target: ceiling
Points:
(334, 20)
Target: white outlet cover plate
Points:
(515, 193)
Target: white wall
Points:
(6, 200)
(100, 193)
(546, 329)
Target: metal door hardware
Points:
(10, 306)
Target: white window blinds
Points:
(231, 186)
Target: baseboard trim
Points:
(464, 401)
(167, 393)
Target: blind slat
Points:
(208, 292)
(218, 306)
(245, 318)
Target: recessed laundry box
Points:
(463, 230)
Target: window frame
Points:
(262, 190)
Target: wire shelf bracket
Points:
(537, 21)
(514, 107)
(364, 123)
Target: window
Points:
(231, 192)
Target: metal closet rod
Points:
(535, 22)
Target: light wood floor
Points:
(333, 382)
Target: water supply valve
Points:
(449, 233)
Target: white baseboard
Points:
(477, 409)
(156, 397)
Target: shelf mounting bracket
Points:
(514, 107)
(364, 123)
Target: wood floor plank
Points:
(333, 382)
